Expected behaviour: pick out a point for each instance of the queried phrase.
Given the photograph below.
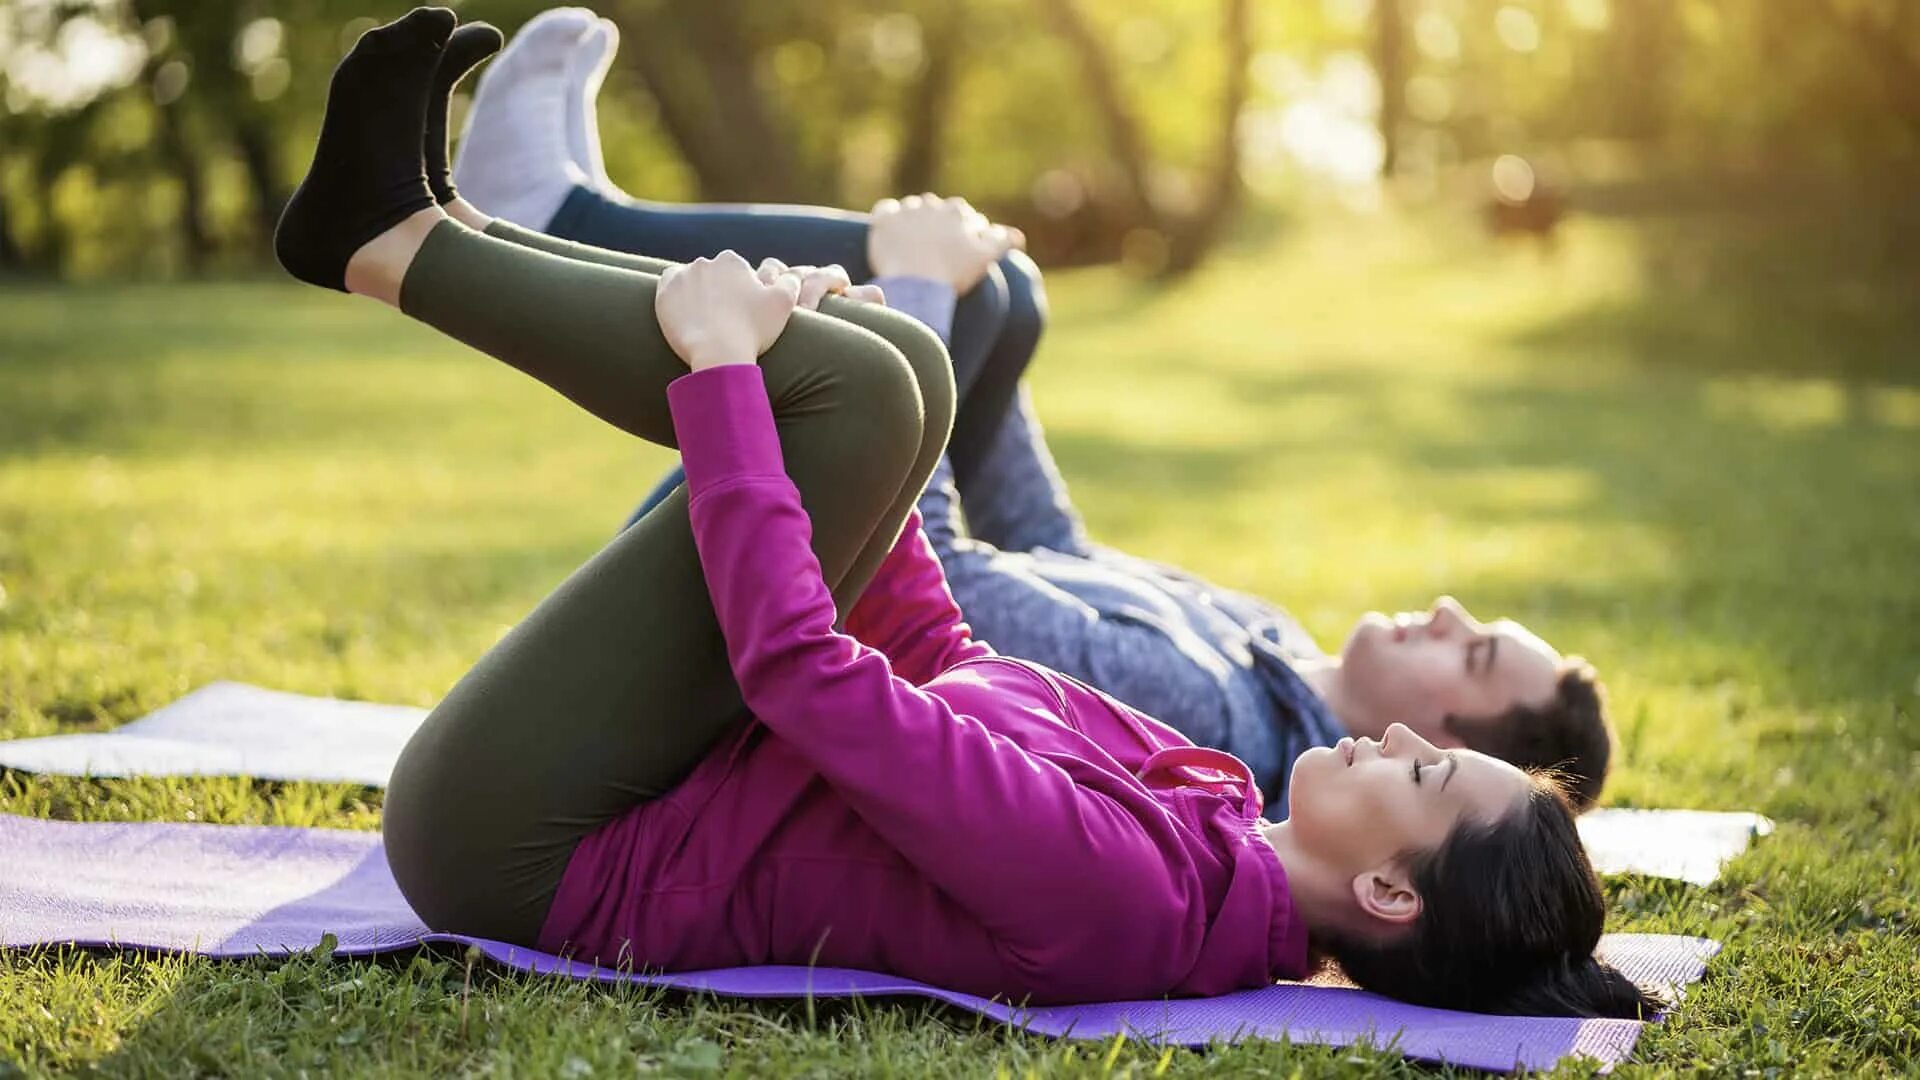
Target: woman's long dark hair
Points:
(1510, 914)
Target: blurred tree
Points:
(1390, 66)
(1885, 34)
(168, 72)
(923, 120)
(699, 64)
(764, 103)
(234, 57)
(1175, 239)
(11, 257)
(156, 136)
(1644, 42)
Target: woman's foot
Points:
(469, 45)
(368, 174)
(513, 161)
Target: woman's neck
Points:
(1322, 895)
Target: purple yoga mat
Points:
(250, 890)
(232, 729)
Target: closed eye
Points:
(1481, 653)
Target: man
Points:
(1226, 669)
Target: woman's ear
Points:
(1385, 893)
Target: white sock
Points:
(513, 161)
(586, 70)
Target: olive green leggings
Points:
(617, 683)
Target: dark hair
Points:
(1510, 914)
(1568, 736)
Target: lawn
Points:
(1686, 446)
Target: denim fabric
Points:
(996, 324)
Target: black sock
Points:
(469, 45)
(367, 174)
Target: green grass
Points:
(1685, 447)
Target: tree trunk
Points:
(1390, 66)
(1885, 48)
(1190, 236)
(651, 49)
(1223, 187)
(255, 141)
(761, 143)
(1124, 140)
(739, 148)
(12, 259)
(925, 120)
(1644, 45)
(178, 153)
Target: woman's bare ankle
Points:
(380, 264)
(466, 214)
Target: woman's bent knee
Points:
(927, 362)
(923, 358)
(882, 399)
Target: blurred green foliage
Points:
(159, 137)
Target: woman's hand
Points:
(819, 281)
(717, 311)
(943, 240)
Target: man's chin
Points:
(1370, 625)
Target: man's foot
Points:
(469, 45)
(513, 160)
(586, 71)
(367, 174)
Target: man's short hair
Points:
(1568, 735)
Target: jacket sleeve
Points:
(1027, 842)
(909, 614)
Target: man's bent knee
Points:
(1026, 294)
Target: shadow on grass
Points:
(1821, 508)
(1771, 288)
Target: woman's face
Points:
(1361, 804)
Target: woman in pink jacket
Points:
(754, 729)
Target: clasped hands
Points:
(719, 310)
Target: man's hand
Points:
(943, 240)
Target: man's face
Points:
(1419, 669)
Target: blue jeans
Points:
(996, 325)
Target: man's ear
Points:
(1385, 893)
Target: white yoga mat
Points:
(233, 729)
(1688, 845)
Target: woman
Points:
(1227, 670)
(687, 765)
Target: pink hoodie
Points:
(904, 800)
